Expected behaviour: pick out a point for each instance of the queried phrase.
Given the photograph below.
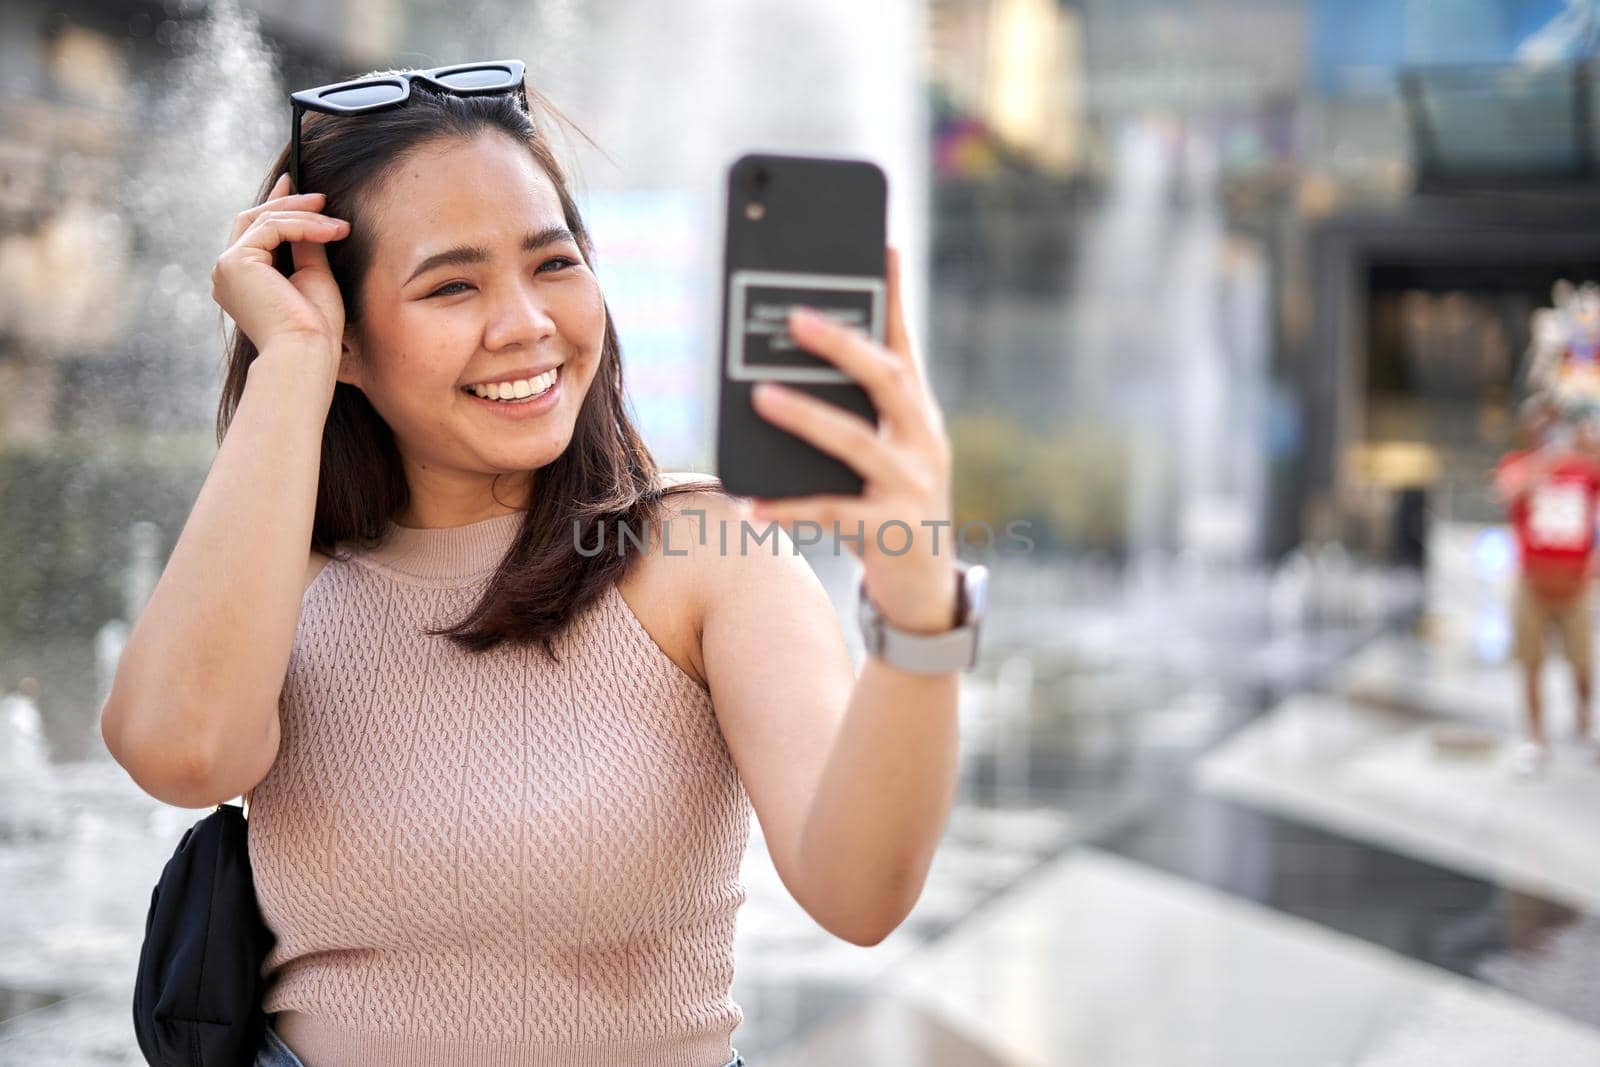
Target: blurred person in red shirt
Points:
(1551, 489)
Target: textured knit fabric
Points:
(490, 859)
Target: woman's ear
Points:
(350, 359)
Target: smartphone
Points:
(801, 230)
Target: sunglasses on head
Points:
(381, 92)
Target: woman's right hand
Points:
(248, 285)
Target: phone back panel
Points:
(819, 241)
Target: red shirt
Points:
(1554, 520)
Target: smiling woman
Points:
(501, 785)
(492, 817)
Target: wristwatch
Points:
(955, 649)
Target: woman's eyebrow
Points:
(463, 254)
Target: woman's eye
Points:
(449, 288)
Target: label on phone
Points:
(759, 345)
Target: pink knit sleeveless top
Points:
(491, 859)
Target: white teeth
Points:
(517, 390)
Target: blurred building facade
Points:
(1196, 268)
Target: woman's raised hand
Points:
(904, 462)
(305, 307)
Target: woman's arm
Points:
(193, 709)
(885, 794)
(852, 777)
(874, 757)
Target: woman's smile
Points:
(526, 407)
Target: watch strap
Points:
(955, 649)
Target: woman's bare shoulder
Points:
(696, 514)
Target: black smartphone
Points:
(800, 230)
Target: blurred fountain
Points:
(144, 568)
(23, 752)
(109, 641)
(1171, 332)
(1116, 338)
(138, 581)
(1217, 350)
(219, 105)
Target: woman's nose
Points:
(519, 316)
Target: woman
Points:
(500, 783)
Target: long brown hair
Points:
(606, 477)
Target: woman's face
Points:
(474, 280)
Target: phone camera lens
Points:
(760, 177)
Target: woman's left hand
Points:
(908, 545)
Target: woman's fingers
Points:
(303, 202)
(842, 434)
(274, 202)
(269, 231)
(312, 254)
(889, 379)
(304, 218)
(244, 222)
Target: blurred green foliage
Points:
(66, 506)
(1068, 481)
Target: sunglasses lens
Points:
(365, 95)
(478, 78)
